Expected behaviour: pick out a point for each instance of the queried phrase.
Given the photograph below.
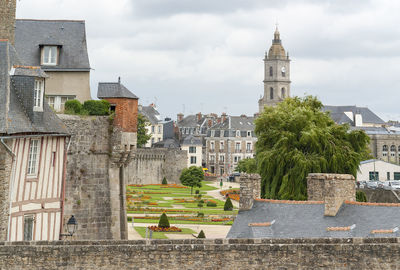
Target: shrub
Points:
(197, 191)
(73, 107)
(211, 204)
(200, 204)
(97, 107)
(164, 181)
(360, 196)
(228, 206)
(201, 234)
(201, 201)
(164, 222)
(200, 214)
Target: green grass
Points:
(161, 235)
(155, 221)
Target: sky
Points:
(190, 56)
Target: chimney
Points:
(179, 117)
(209, 123)
(332, 189)
(223, 117)
(250, 187)
(7, 19)
(198, 117)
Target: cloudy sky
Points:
(190, 55)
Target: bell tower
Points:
(276, 74)
(7, 19)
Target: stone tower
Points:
(276, 74)
(7, 19)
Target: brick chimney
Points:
(250, 188)
(223, 117)
(7, 19)
(179, 117)
(198, 116)
(332, 189)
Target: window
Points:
(222, 158)
(159, 129)
(38, 95)
(49, 55)
(374, 176)
(388, 176)
(237, 146)
(152, 140)
(58, 102)
(384, 150)
(212, 158)
(283, 72)
(221, 171)
(248, 147)
(28, 228)
(153, 129)
(159, 140)
(192, 160)
(212, 133)
(392, 150)
(283, 93)
(248, 133)
(33, 158)
(212, 146)
(192, 149)
(271, 93)
(271, 73)
(238, 133)
(236, 159)
(221, 145)
(396, 175)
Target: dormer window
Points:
(38, 95)
(49, 55)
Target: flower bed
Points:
(160, 229)
(220, 219)
(159, 210)
(234, 194)
(235, 197)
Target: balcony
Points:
(238, 151)
(221, 150)
(249, 151)
(211, 150)
(211, 162)
(221, 162)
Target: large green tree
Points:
(247, 165)
(142, 136)
(296, 138)
(192, 177)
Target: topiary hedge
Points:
(163, 222)
(201, 234)
(164, 181)
(360, 196)
(228, 206)
(211, 204)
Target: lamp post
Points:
(72, 225)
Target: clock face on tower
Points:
(283, 69)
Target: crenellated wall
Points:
(317, 253)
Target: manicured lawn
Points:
(155, 221)
(161, 235)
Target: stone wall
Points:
(7, 19)
(151, 165)
(5, 173)
(348, 253)
(380, 195)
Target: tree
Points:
(296, 138)
(201, 234)
(360, 196)
(163, 222)
(164, 181)
(247, 165)
(192, 177)
(142, 136)
(228, 206)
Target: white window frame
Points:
(33, 158)
(193, 158)
(212, 145)
(57, 103)
(49, 58)
(222, 158)
(192, 149)
(31, 219)
(38, 94)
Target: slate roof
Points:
(338, 114)
(191, 140)
(150, 113)
(302, 220)
(167, 143)
(233, 124)
(114, 90)
(13, 115)
(191, 121)
(377, 130)
(70, 36)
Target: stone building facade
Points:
(386, 146)
(228, 142)
(276, 74)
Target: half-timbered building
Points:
(32, 153)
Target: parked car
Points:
(395, 184)
(372, 184)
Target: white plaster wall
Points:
(380, 166)
(198, 155)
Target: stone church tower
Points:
(276, 74)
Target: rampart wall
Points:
(328, 253)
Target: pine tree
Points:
(296, 138)
(164, 181)
(201, 234)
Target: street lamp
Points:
(72, 225)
